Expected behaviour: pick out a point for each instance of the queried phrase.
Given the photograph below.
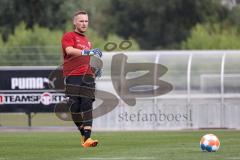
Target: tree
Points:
(159, 23)
(46, 13)
(234, 16)
(213, 36)
(52, 14)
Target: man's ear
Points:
(74, 22)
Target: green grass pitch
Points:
(171, 145)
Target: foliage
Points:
(99, 42)
(37, 46)
(45, 13)
(159, 23)
(155, 24)
(213, 36)
(52, 14)
(234, 16)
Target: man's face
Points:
(81, 23)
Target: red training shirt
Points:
(76, 65)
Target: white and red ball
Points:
(210, 143)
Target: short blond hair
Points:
(79, 13)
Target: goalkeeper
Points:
(80, 76)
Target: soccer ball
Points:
(210, 143)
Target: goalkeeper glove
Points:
(92, 52)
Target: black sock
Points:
(81, 129)
(87, 133)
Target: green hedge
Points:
(213, 36)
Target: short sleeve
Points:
(67, 40)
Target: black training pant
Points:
(81, 93)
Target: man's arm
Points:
(73, 51)
(77, 52)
